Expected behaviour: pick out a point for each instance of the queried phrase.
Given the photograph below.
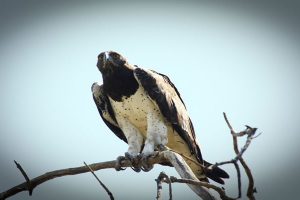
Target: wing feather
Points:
(160, 88)
(106, 112)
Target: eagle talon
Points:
(146, 167)
(134, 161)
(136, 169)
(119, 161)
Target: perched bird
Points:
(144, 109)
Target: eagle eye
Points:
(100, 56)
(114, 55)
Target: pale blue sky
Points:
(236, 59)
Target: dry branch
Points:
(249, 132)
(163, 157)
(111, 196)
(160, 179)
(70, 171)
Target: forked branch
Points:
(31, 184)
(250, 133)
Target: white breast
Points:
(134, 109)
(139, 115)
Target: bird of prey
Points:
(144, 109)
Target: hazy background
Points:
(241, 58)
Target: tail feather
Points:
(217, 174)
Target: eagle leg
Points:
(146, 166)
(135, 161)
(119, 161)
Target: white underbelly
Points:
(134, 109)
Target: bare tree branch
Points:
(163, 177)
(28, 182)
(159, 188)
(219, 190)
(250, 132)
(70, 171)
(162, 157)
(100, 182)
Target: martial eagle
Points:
(144, 109)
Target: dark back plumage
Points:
(171, 105)
(165, 99)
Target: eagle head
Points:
(109, 61)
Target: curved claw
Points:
(146, 167)
(118, 165)
(134, 162)
(136, 169)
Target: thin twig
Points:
(250, 133)
(238, 173)
(219, 190)
(166, 179)
(29, 186)
(72, 171)
(163, 177)
(170, 188)
(187, 158)
(100, 182)
(159, 187)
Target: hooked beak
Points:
(107, 56)
(104, 62)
